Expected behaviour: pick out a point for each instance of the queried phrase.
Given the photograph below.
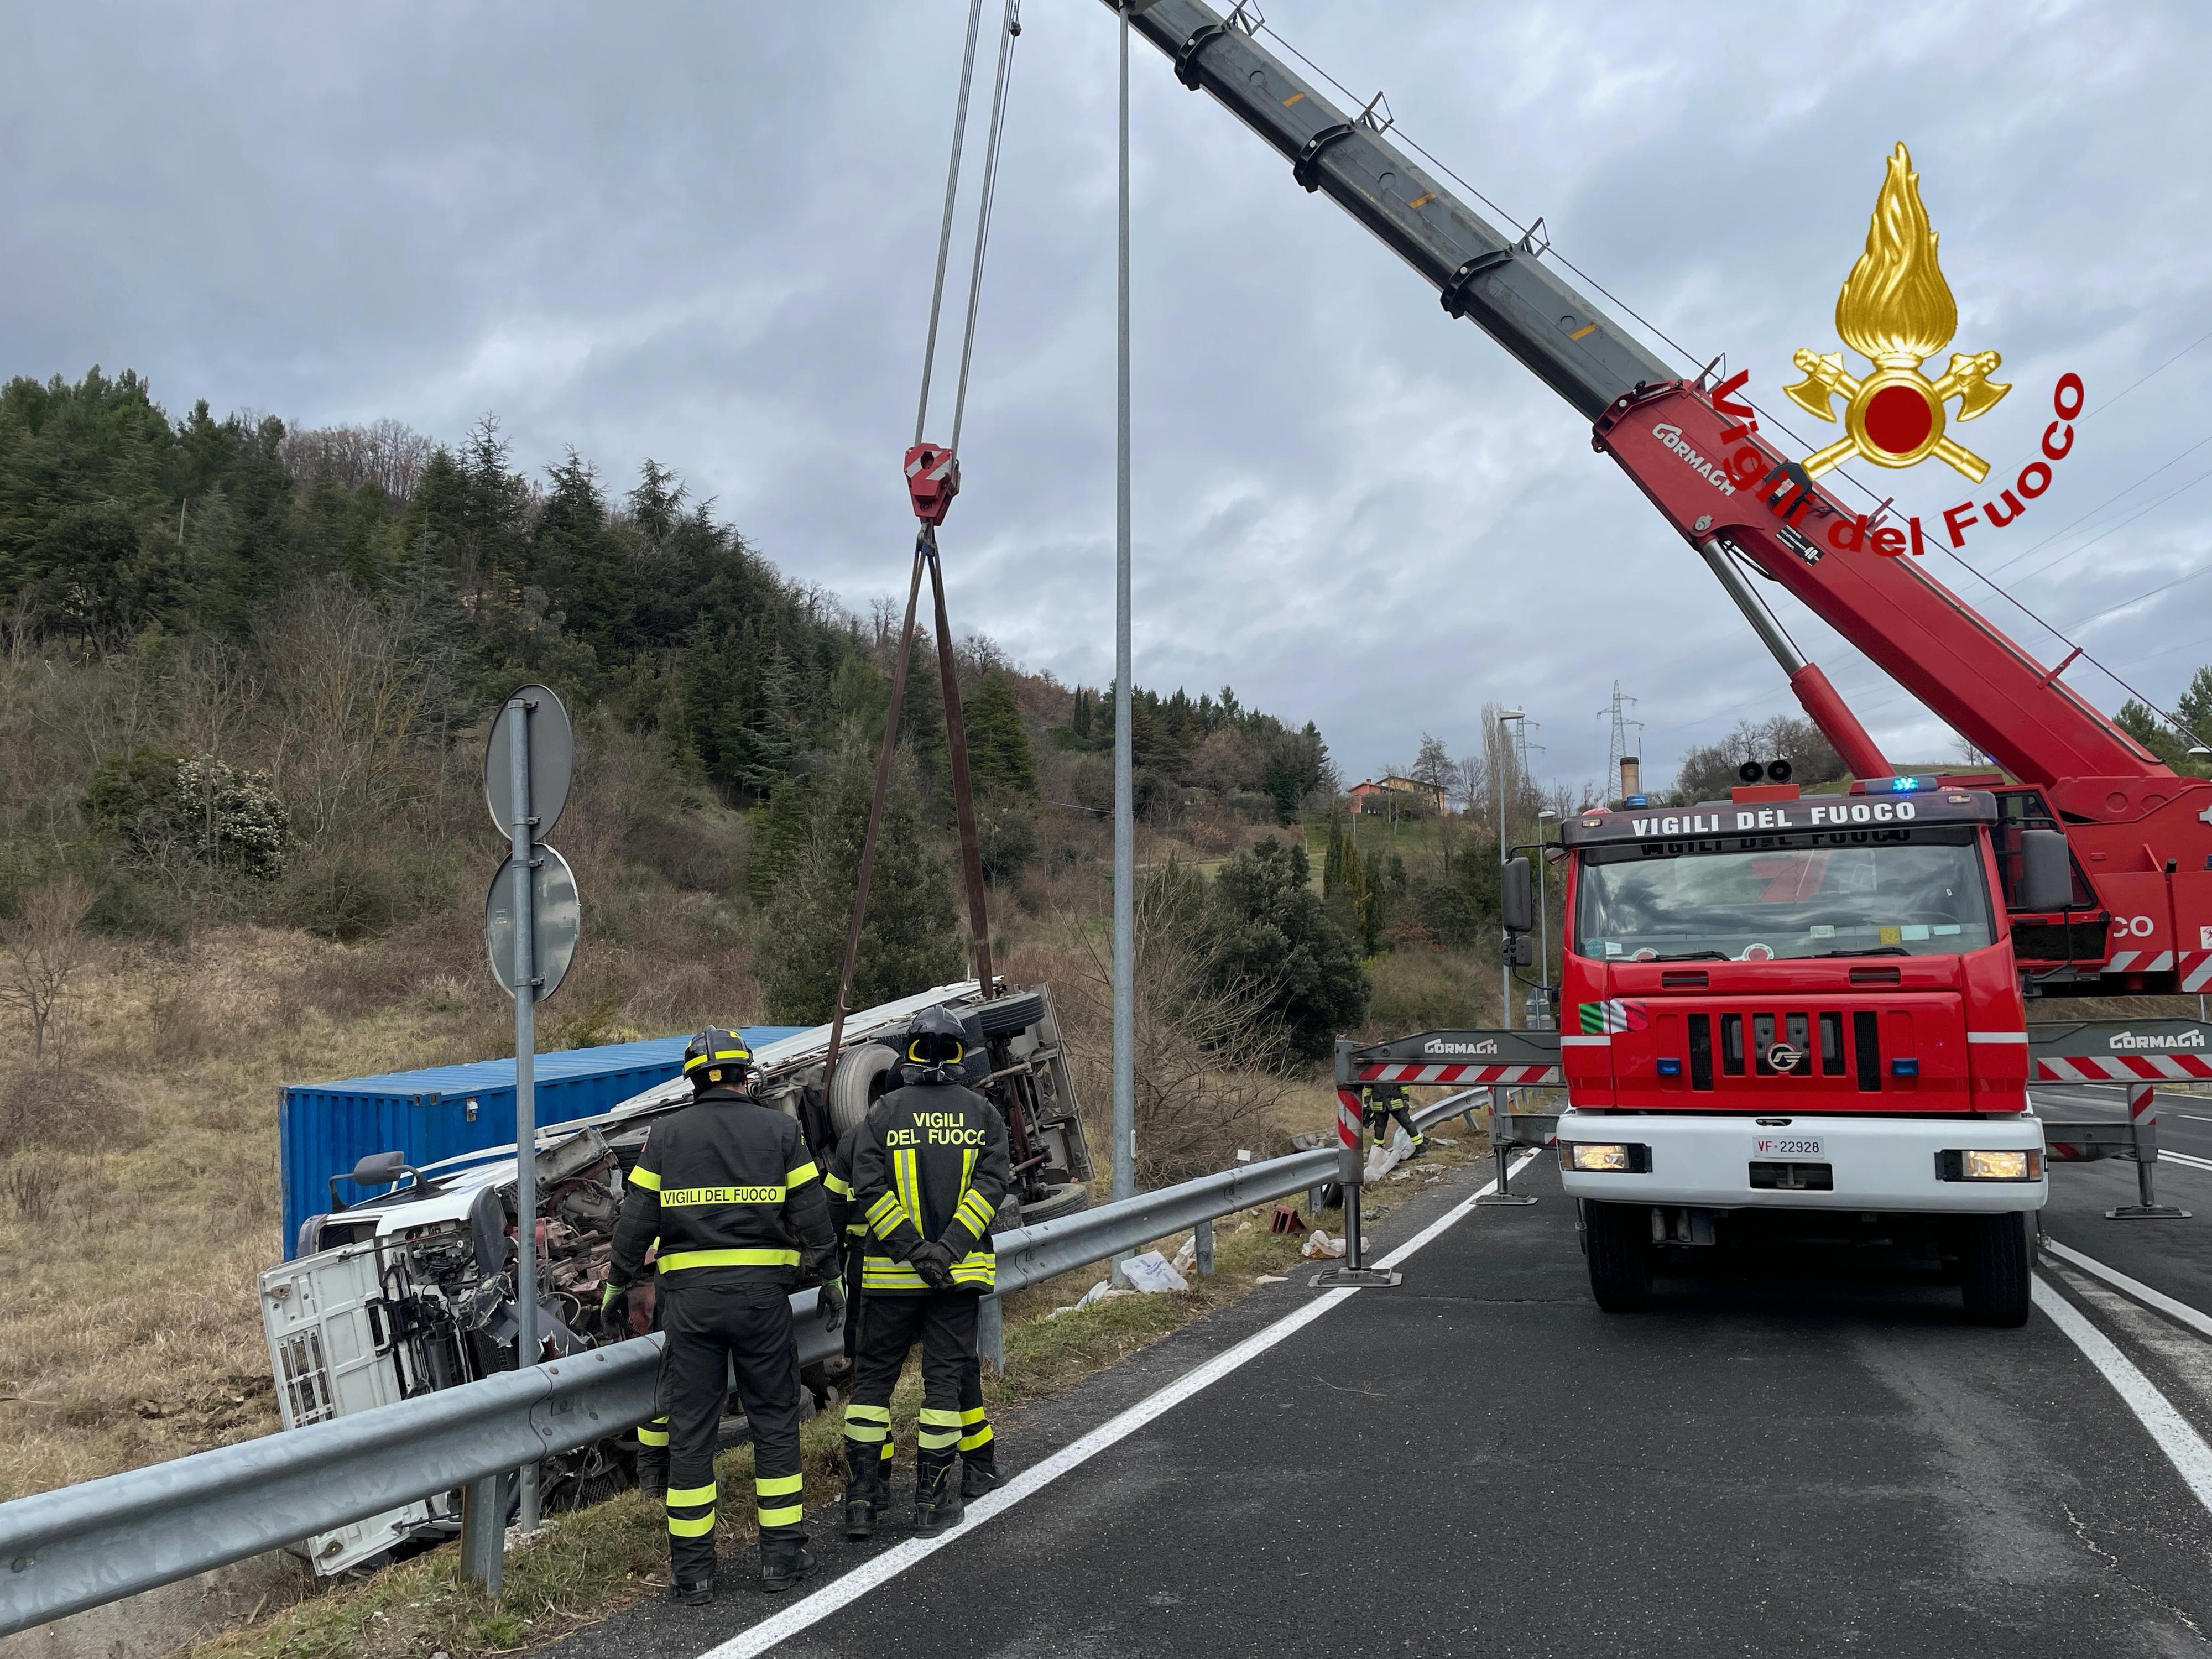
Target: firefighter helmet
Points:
(716, 1057)
(935, 1041)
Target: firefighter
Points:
(929, 1167)
(1379, 1103)
(726, 1185)
(979, 1468)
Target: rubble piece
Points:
(1286, 1220)
(1272, 1279)
(1152, 1273)
(1103, 1291)
(1443, 1140)
(1321, 1246)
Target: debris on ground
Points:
(1186, 1259)
(1444, 1141)
(1272, 1278)
(1321, 1245)
(1151, 1273)
(1286, 1220)
(1103, 1291)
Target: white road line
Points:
(2201, 1323)
(2184, 1447)
(2194, 1117)
(2193, 1161)
(843, 1592)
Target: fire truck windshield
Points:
(1906, 898)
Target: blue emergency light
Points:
(1904, 785)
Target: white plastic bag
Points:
(1151, 1273)
(1186, 1259)
(1319, 1245)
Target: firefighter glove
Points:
(614, 1307)
(831, 1303)
(934, 1263)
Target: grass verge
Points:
(583, 1567)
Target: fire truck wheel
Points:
(1620, 1256)
(1994, 1269)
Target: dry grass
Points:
(131, 1330)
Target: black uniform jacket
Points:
(729, 1188)
(929, 1163)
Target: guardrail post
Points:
(484, 1504)
(1351, 1174)
(991, 1334)
(1202, 1236)
(2142, 1119)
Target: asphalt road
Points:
(1479, 1461)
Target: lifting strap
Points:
(932, 474)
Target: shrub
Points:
(156, 803)
(351, 890)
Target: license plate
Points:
(1788, 1146)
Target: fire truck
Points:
(1785, 1010)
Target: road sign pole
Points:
(526, 1078)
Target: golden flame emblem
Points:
(1896, 311)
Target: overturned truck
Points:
(414, 1290)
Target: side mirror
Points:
(2046, 870)
(1517, 901)
(1520, 949)
(381, 1169)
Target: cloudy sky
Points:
(704, 234)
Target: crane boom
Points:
(2145, 844)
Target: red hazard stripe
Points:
(2121, 1068)
(1413, 1072)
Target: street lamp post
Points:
(1504, 945)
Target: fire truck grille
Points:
(1748, 1040)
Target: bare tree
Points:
(43, 952)
(1214, 1075)
(1433, 771)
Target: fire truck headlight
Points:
(2001, 1166)
(1596, 1156)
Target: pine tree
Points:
(911, 939)
(998, 743)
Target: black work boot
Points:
(979, 1473)
(784, 1562)
(866, 1492)
(652, 1474)
(693, 1592)
(937, 1501)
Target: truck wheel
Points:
(1620, 1256)
(1994, 1270)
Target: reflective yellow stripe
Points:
(866, 1434)
(837, 1184)
(680, 1527)
(683, 1496)
(777, 1485)
(790, 1515)
(868, 1413)
(857, 1228)
(682, 1259)
(905, 1175)
(972, 1416)
(977, 1214)
(888, 1452)
(981, 1438)
(686, 1198)
(642, 1176)
(937, 1439)
(935, 1418)
(877, 1274)
(653, 1436)
(799, 1177)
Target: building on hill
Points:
(1364, 794)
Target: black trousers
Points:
(1379, 1119)
(712, 1328)
(944, 1322)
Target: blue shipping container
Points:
(443, 1111)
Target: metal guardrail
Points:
(81, 1546)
